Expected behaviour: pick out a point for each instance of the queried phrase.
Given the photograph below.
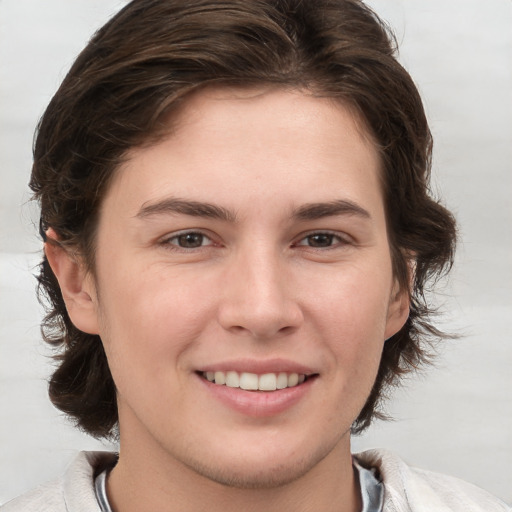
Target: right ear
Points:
(76, 284)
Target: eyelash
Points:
(341, 240)
(167, 242)
(330, 235)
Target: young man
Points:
(238, 233)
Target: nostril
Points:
(238, 329)
(287, 329)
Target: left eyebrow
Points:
(316, 211)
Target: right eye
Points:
(188, 240)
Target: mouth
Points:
(256, 382)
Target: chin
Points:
(246, 476)
(262, 470)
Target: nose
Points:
(258, 297)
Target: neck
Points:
(141, 481)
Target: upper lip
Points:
(258, 367)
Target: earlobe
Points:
(76, 284)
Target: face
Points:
(243, 286)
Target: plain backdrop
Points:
(457, 417)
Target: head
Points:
(130, 89)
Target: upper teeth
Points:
(254, 382)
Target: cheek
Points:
(350, 314)
(147, 321)
(354, 298)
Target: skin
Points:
(270, 281)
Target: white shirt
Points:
(406, 489)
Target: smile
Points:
(254, 382)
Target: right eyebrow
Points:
(171, 205)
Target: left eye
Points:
(319, 240)
(190, 240)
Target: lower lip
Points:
(258, 403)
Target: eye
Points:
(189, 240)
(321, 240)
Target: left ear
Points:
(398, 310)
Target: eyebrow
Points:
(315, 211)
(312, 211)
(186, 207)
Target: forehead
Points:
(288, 109)
(223, 140)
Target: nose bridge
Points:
(258, 296)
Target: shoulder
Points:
(74, 491)
(43, 498)
(415, 490)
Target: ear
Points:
(398, 310)
(400, 300)
(76, 285)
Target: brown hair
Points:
(143, 63)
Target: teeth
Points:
(282, 381)
(293, 379)
(232, 379)
(220, 378)
(249, 381)
(254, 382)
(268, 382)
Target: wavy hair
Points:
(137, 69)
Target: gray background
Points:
(455, 418)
